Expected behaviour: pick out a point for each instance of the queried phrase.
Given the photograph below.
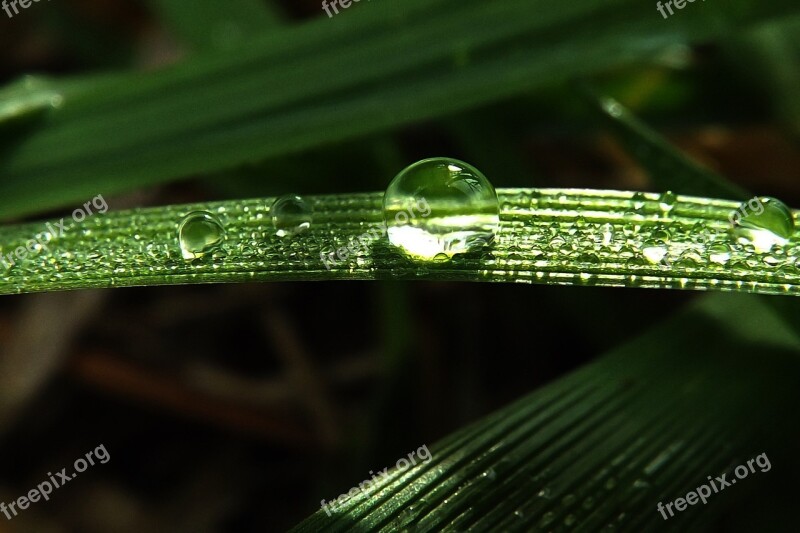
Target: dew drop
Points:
(661, 233)
(654, 253)
(200, 233)
(440, 206)
(666, 201)
(719, 253)
(570, 520)
(639, 202)
(607, 231)
(763, 222)
(291, 215)
(612, 107)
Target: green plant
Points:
(594, 449)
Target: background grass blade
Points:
(601, 447)
(118, 132)
(667, 167)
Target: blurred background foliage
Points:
(237, 408)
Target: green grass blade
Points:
(644, 424)
(553, 236)
(668, 168)
(379, 67)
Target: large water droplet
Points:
(291, 215)
(763, 222)
(440, 206)
(200, 233)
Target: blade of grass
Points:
(553, 236)
(669, 168)
(330, 80)
(605, 444)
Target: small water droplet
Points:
(545, 493)
(200, 233)
(570, 519)
(661, 234)
(689, 258)
(611, 483)
(291, 215)
(588, 503)
(667, 201)
(639, 201)
(719, 253)
(489, 474)
(608, 234)
(654, 253)
(440, 206)
(612, 107)
(763, 222)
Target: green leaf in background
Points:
(330, 80)
(667, 167)
(600, 448)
